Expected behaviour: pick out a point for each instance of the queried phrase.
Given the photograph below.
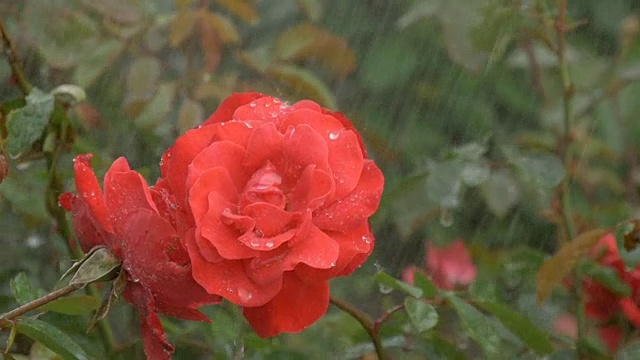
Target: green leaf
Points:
(99, 265)
(385, 279)
(545, 171)
(375, 72)
(95, 62)
(53, 338)
(444, 184)
(500, 192)
(22, 289)
(535, 338)
(73, 305)
(423, 316)
(26, 125)
(425, 284)
(481, 328)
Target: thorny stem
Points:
(366, 322)
(12, 56)
(39, 302)
(54, 189)
(562, 29)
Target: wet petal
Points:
(345, 160)
(311, 191)
(358, 205)
(267, 108)
(228, 107)
(175, 161)
(213, 180)
(221, 228)
(229, 280)
(302, 146)
(156, 345)
(225, 154)
(297, 305)
(89, 191)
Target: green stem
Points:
(366, 322)
(562, 29)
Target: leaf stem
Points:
(366, 322)
(21, 310)
(12, 56)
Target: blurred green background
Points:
(460, 103)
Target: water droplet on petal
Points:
(366, 239)
(334, 135)
(254, 242)
(252, 105)
(269, 244)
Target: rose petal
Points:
(222, 229)
(89, 191)
(345, 160)
(311, 190)
(265, 143)
(126, 191)
(229, 105)
(358, 205)
(224, 154)
(156, 345)
(323, 125)
(175, 161)
(306, 104)
(302, 146)
(146, 248)
(88, 229)
(354, 248)
(348, 126)
(297, 305)
(266, 108)
(213, 180)
(229, 280)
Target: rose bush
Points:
(272, 201)
(129, 219)
(448, 267)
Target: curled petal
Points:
(229, 106)
(358, 205)
(223, 154)
(156, 345)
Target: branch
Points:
(12, 57)
(39, 302)
(366, 322)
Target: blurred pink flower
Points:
(449, 267)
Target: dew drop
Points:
(254, 242)
(244, 294)
(248, 125)
(366, 239)
(269, 244)
(334, 135)
(252, 105)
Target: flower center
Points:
(264, 187)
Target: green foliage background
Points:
(460, 103)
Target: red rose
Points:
(127, 220)
(449, 267)
(273, 200)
